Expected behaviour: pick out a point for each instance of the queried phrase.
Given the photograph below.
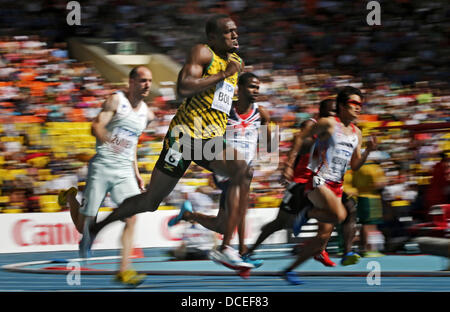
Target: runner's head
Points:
(221, 32)
(349, 102)
(326, 108)
(248, 87)
(140, 81)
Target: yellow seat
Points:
(60, 155)
(267, 202)
(156, 145)
(44, 171)
(141, 164)
(152, 158)
(51, 207)
(400, 203)
(395, 123)
(12, 210)
(195, 182)
(146, 177)
(38, 184)
(167, 207)
(4, 199)
(18, 172)
(49, 203)
(39, 162)
(150, 166)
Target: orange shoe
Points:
(325, 259)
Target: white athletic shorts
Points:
(115, 177)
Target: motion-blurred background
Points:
(55, 76)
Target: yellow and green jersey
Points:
(205, 115)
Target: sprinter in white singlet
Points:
(338, 146)
(114, 168)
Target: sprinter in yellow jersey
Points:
(206, 81)
(212, 105)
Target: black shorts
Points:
(176, 155)
(223, 186)
(295, 199)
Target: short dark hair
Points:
(245, 77)
(134, 71)
(344, 94)
(323, 107)
(212, 25)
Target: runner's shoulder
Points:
(112, 102)
(202, 53)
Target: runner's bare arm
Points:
(98, 127)
(359, 159)
(299, 138)
(150, 116)
(321, 129)
(139, 178)
(191, 80)
(297, 144)
(265, 121)
(288, 170)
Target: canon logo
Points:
(27, 233)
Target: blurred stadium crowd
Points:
(302, 51)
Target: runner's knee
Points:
(246, 174)
(79, 226)
(351, 216)
(341, 215)
(143, 202)
(131, 221)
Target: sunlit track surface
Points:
(32, 272)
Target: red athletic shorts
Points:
(336, 187)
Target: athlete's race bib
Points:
(223, 97)
(318, 181)
(173, 157)
(123, 141)
(337, 167)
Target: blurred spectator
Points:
(369, 182)
(48, 99)
(196, 241)
(39, 86)
(439, 189)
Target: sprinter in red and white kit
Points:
(337, 145)
(295, 177)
